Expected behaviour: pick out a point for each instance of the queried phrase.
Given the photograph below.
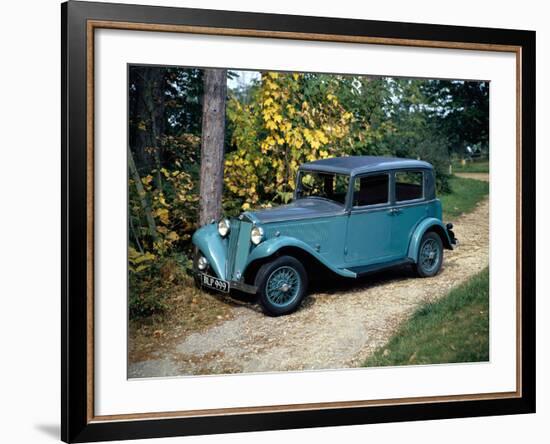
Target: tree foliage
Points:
(290, 120)
(461, 111)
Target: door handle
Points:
(395, 211)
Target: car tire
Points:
(430, 255)
(282, 284)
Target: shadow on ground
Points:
(329, 283)
(51, 430)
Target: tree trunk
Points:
(142, 196)
(140, 139)
(154, 102)
(212, 145)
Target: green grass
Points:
(454, 329)
(480, 166)
(465, 194)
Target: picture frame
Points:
(80, 20)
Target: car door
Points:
(409, 208)
(368, 239)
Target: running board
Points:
(367, 269)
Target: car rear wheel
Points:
(430, 255)
(282, 284)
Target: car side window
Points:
(371, 190)
(409, 185)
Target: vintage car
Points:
(349, 215)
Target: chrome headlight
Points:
(202, 263)
(223, 227)
(257, 235)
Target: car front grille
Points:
(238, 248)
(232, 248)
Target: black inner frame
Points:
(74, 424)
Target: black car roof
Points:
(362, 164)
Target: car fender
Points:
(213, 246)
(421, 228)
(271, 246)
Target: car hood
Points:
(299, 209)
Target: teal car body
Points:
(350, 215)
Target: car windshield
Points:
(329, 186)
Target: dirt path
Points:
(478, 176)
(335, 328)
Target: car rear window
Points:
(408, 185)
(371, 190)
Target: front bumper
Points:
(233, 285)
(241, 286)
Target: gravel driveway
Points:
(478, 176)
(337, 327)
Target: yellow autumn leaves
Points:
(173, 207)
(279, 130)
(138, 261)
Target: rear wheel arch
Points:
(427, 226)
(440, 231)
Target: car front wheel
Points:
(282, 284)
(430, 255)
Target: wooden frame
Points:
(79, 21)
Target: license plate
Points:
(214, 283)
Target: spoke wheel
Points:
(281, 284)
(430, 255)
